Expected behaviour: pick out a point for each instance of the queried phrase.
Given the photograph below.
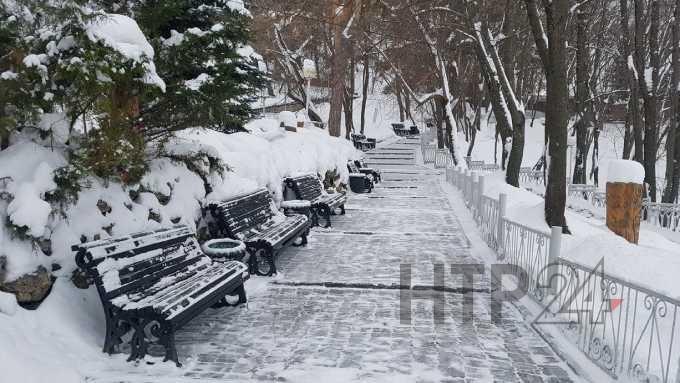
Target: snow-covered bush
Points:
(113, 153)
(91, 64)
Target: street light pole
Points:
(308, 72)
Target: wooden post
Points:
(624, 198)
(624, 202)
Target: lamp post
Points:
(308, 72)
(262, 67)
(571, 145)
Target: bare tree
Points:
(551, 47)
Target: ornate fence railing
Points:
(629, 331)
(581, 191)
(489, 220)
(429, 154)
(442, 159)
(663, 215)
(527, 250)
(527, 174)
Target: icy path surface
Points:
(333, 313)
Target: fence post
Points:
(465, 185)
(471, 180)
(468, 186)
(553, 256)
(480, 193)
(473, 195)
(502, 206)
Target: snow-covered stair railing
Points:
(153, 283)
(630, 331)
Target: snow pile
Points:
(625, 171)
(238, 6)
(288, 118)
(124, 35)
(50, 343)
(25, 174)
(168, 194)
(8, 304)
(269, 154)
(296, 204)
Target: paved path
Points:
(333, 314)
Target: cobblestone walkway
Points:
(333, 313)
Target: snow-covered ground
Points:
(653, 264)
(49, 344)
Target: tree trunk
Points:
(632, 114)
(507, 68)
(398, 92)
(476, 126)
(651, 103)
(493, 86)
(583, 115)
(639, 62)
(340, 14)
(364, 92)
(347, 110)
(628, 132)
(497, 74)
(440, 122)
(407, 107)
(4, 131)
(348, 105)
(556, 117)
(670, 193)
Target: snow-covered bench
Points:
(254, 219)
(309, 188)
(360, 180)
(361, 142)
(401, 130)
(153, 283)
(359, 166)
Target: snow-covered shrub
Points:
(113, 153)
(90, 63)
(70, 181)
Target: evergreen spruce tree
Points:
(78, 66)
(203, 55)
(17, 108)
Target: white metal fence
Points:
(629, 331)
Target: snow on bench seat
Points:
(160, 277)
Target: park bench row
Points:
(152, 283)
(402, 131)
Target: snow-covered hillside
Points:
(168, 193)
